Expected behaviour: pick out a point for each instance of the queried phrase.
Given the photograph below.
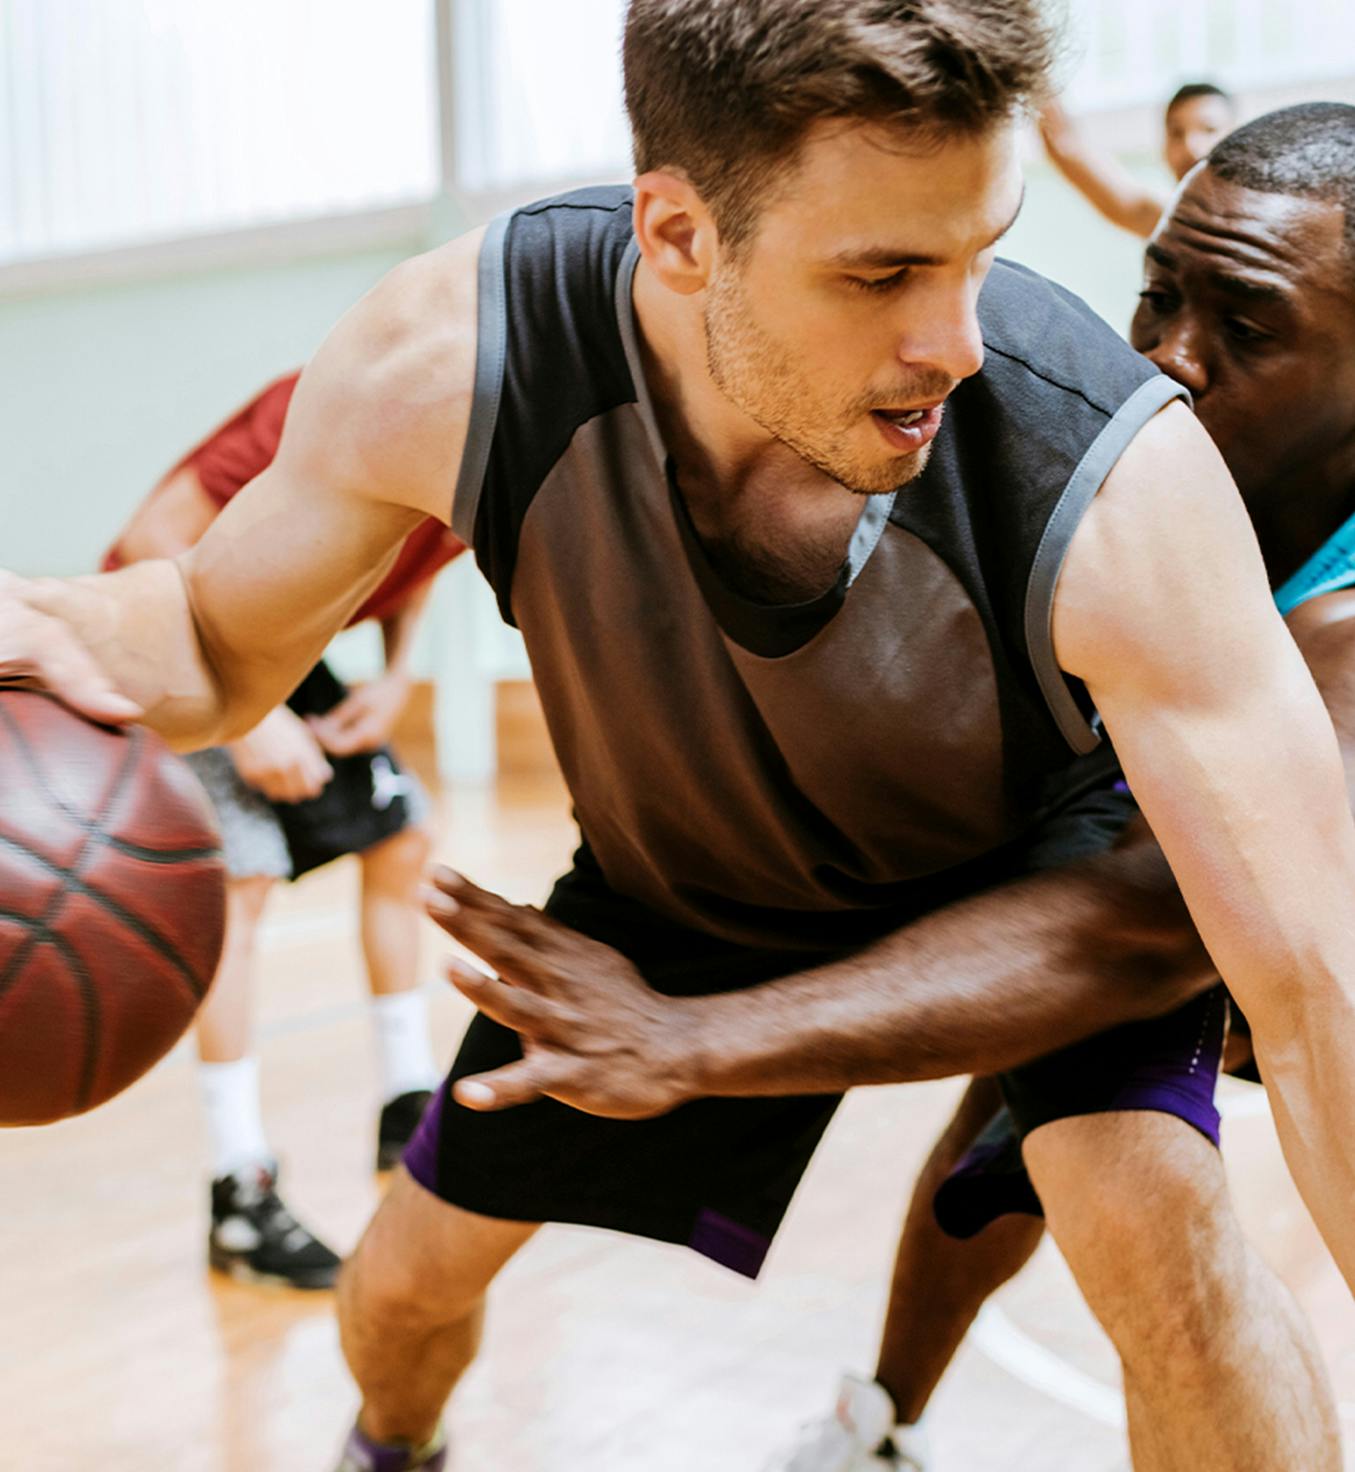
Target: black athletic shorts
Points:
(716, 1174)
(369, 798)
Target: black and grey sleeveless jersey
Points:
(784, 776)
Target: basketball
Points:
(112, 901)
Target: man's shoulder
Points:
(565, 254)
(389, 392)
(1034, 328)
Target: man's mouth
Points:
(908, 430)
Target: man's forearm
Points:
(138, 626)
(1105, 183)
(990, 982)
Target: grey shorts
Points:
(252, 836)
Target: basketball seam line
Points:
(89, 994)
(37, 931)
(41, 932)
(133, 922)
(136, 851)
(158, 855)
(40, 777)
(93, 826)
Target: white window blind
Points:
(130, 121)
(538, 92)
(1130, 52)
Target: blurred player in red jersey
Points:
(315, 779)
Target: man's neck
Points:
(709, 437)
(774, 526)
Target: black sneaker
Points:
(399, 1119)
(255, 1239)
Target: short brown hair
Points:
(724, 90)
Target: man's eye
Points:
(1245, 332)
(878, 283)
(1157, 301)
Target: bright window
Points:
(539, 92)
(137, 120)
(1129, 52)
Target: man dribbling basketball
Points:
(314, 780)
(828, 537)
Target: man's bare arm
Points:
(203, 646)
(1164, 612)
(1100, 178)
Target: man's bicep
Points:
(1166, 616)
(371, 446)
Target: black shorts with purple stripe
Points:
(717, 1175)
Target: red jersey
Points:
(230, 457)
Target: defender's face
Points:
(846, 320)
(1248, 301)
(1193, 127)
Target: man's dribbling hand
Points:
(39, 649)
(594, 1035)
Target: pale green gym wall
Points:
(105, 386)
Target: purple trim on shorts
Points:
(729, 1243)
(1188, 1093)
(1165, 1096)
(360, 1451)
(421, 1154)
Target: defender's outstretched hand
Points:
(594, 1035)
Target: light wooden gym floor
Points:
(118, 1351)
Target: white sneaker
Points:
(861, 1435)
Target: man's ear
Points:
(675, 231)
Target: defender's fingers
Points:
(510, 1006)
(507, 1087)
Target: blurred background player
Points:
(1198, 115)
(314, 780)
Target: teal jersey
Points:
(1328, 570)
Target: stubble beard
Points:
(757, 376)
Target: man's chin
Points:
(890, 475)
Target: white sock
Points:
(404, 1055)
(230, 1098)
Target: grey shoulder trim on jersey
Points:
(491, 352)
(630, 345)
(1092, 470)
(870, 528)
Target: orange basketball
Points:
(112, 905)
